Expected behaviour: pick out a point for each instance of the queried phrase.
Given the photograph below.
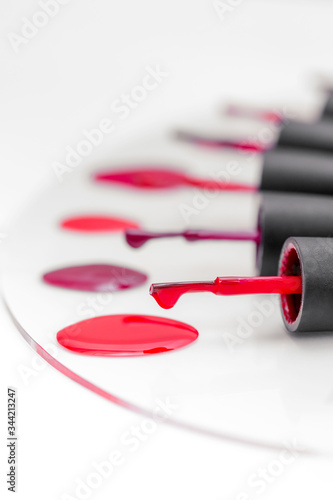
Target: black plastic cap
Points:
(318, 136)
(297, 171)
(284, 215)
(328, 108)
(311, 258)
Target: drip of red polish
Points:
(95, 278)
(243, 145)
(138, 237)
(259, 114)
(126, 335)
(97, 224)
(157, 178)
(167, 294)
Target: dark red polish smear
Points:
(157, 178)
(95, 278)
(97, 224)
(148, 178)
(126, 335)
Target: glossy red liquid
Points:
(95, 278)
(156, 178)
(143, 177)
(126, 335)
(97, 224)
(167, 294)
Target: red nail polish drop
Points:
(126, 335)
(97, 223)
(95, 278)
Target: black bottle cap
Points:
(311, 258)
(284, 215)
(318, 135)
(298, 171)
(328, 108)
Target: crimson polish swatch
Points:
(143, 177)
(126, 335)
(97, 223)
(157, 178)
(95, 278)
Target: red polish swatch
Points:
(157, 178)
(95, 278)
(97, 224)
(126, 335)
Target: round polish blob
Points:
(126, 335)
(95, 278)
(312, 259)
(281, 216)
(97, 224)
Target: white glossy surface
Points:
(64, 81)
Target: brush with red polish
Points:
(317, 135)
(273, 116)
(283, 170)
(305, 284)
(280, 216)
(290, 134)
(244, 111)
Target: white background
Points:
(62, 82)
